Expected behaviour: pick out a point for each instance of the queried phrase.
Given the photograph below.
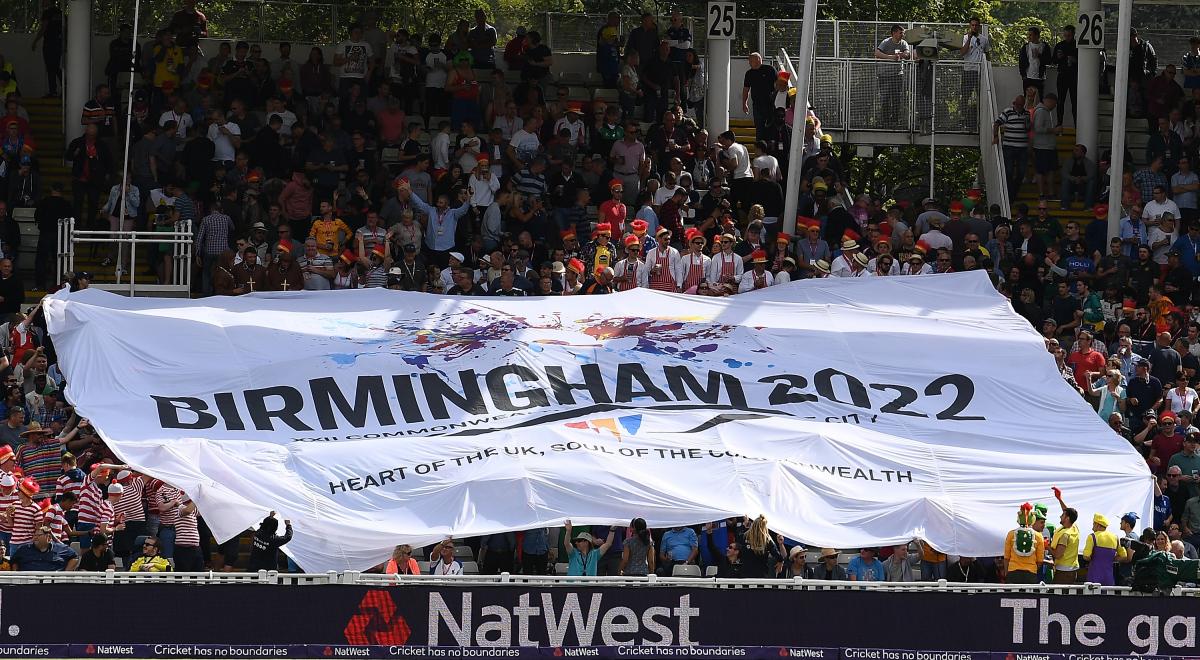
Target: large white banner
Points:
(850, 412)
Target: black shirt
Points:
(52, 21)
(1066, 58)
(536, 54)
(1164, 363)
(48, 213)
(88, 561)
(761, 82)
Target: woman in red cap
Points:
(693, 267)
(664, 262)
(631, 272)
(782, 250)
(571, 282)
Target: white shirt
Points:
(526, 145)
(906, 269)
(483, 191)
(183, 122)
(977, 47)
(575, 128)
(394, 53)
(1159, 255)
(438, 568)
(1180, 403)
(470, 146)
(508, 127)
(287, 117)
(718, 263)
(439, 148)
(641, 273)
(767, 162)
(223, 145)
(840, 267)
(738, 153)
(436, 75)
(356, 55)
(747, 280)
(663, 194)
(1032, 53)
(894, 270)
(1153, 210)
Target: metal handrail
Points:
(991, 154)
(555, 581)
(180, 240)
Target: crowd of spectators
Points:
(460, 165)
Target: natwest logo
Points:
(376, 623)
(565, 625)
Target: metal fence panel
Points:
(576, 33)
(827, 93)
(859, 38)
(879, 95)
(786, 34)
(745, 37)
(955, 98)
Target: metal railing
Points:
(205, 577)
(903, 97)
(503, 579)
(991, 155)
(125, 268)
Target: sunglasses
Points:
(697, 242)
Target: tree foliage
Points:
(903, 172)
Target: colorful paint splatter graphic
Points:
(449, 341)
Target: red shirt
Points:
(613, 212)
(1082, 363)
(1164, 447)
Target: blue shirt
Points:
(1128, 229)
(678, 544)
(1162, 509)
(536, 542)
(578, 564)
(863, 571)
(1189, 255)
(647, 213)
(439, 234)
(54, 558)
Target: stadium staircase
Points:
(46, 121)
(745, 132)
(1136, 138)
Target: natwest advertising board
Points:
(259, 621)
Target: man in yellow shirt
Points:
(1102, 550)
(168, 61)
(331, 233)
(150, 561)
(1064, 545)
(1023, 549)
